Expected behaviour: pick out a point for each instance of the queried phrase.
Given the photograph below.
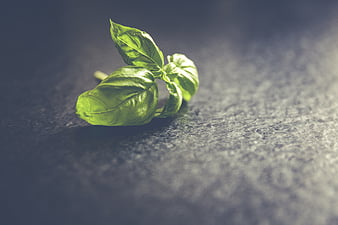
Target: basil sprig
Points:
(129, 95)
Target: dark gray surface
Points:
(256, 145)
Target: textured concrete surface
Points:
(256, 145)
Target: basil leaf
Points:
(127, 97)
(136, 47)
(173, 103)
(183, 72)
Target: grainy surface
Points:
(256, 145)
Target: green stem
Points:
(100, 75)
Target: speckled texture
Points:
(256, 145)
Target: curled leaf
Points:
(173, 103)
(183, 72)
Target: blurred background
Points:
(256, 145)
(48, 27)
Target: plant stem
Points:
(100, 75)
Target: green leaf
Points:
(173, 103)
(183, 72)
(127, 97)
(136, 47)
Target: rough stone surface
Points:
(256, 145)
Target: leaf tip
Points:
(111, 22)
